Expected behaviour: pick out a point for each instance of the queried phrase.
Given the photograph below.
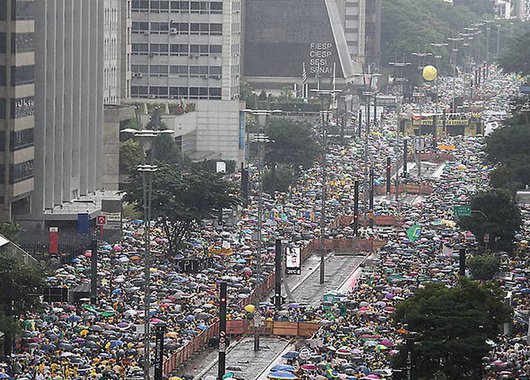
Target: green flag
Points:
(414, 232)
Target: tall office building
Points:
(17, 105)
(186, 49)
(69, 52)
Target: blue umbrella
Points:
(5, 376)
(290, 355)
(282, 375)
(283, 368)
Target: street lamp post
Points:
(325, 114)
(260, 138)
(147, 169)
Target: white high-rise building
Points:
(186, 49)
(69, 59)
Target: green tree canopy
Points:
(20, 288)
(483, 267)
(409, 25)
(516, 57)
(501, 219)
(181, 199)
(508, 148)
(481, 7)
(293, 143)
(453, 325)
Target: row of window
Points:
(176, 70)
(199, 28)
(18, 172)
(20, 42)
(176, 92)
(176, 49)
(19, 140)
(20, 10)
(20, 75)
(165, 6)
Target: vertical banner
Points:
(293, 260)
(54, 240)
(82, 223)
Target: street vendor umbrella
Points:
(282, 375)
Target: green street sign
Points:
(462, 210)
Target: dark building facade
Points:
(284, 37)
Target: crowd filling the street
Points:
(358, 337)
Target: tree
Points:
(131, 155)
(483, 267)
(9, 230)
(516, 57)
(509, 144)
(452, 326)
(164, 147)
(507, 147)
(411, 25)
(481, 7)
(284, 178)
(496, 214)
(181, 199)
(293, 144)
(20, 288)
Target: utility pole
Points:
(371, 214)
(356, 207)
(222, 330)
(94, 272)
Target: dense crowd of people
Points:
(78, 340)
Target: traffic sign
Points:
(462, 210)
(101, 220)
(486, 238)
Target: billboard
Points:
(293, 260)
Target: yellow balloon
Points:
(430, 73)
(249, 308)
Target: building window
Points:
(2, 108)
(22, 10)
(21, 75)
(216, 7)
(2, 43)
(22, 42)
(22, 107)
(140, 5)
(3, 10)
(140, 49)
(21, 139)
(21, 172)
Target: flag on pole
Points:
(414, 233)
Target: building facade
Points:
(17, 107)
(69, 93)
(186, 49)
(322, 41)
